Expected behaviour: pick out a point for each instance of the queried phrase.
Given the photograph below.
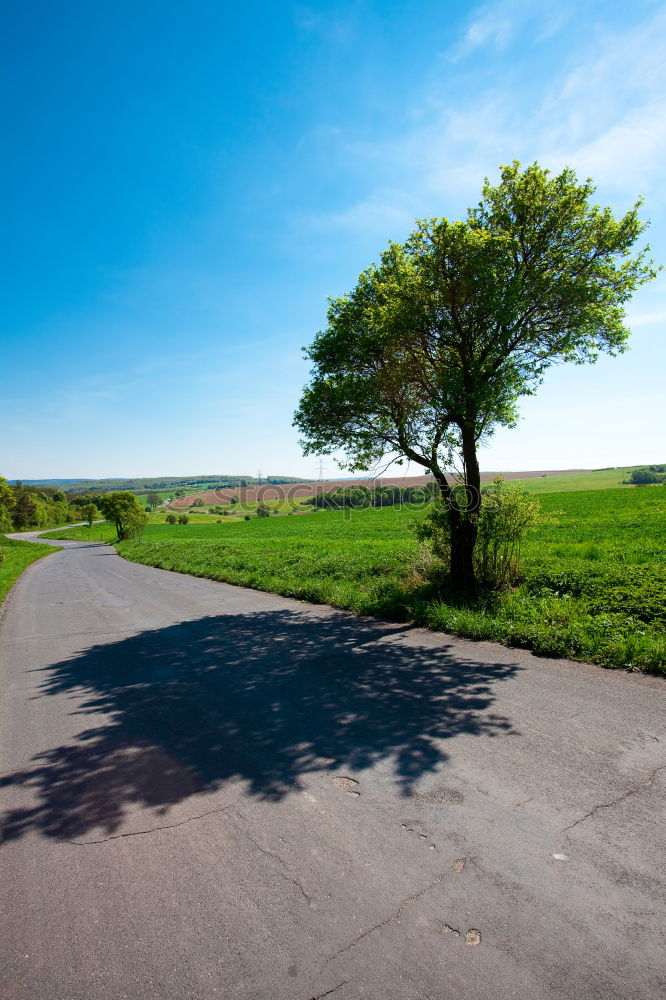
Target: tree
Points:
(154, 499)
(170, 519)
(24, 514)
(90, 512)
(7, 504)
(183, 519)
(263, 510)
(434, 346)
(642, 477)
(125, 512)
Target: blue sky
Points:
(185, 184)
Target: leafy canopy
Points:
(125, 512)
(436, 343)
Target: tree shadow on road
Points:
(266, 698)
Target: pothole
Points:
(348, 785)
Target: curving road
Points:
(214, 792)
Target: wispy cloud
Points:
(496, 25)
(605, 115)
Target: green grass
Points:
(597, 479)
(594, 583)
(15, 556)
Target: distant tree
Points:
(234, 500)
(247, 517)
(154, 499)
(171, 519)
(25, 510)
(263, 510)
(59, 496)
(90, 513)
(183, 519)
(642, 477)
(124, 511)
(7, 504)
(433, 348)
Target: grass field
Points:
(16, 556)
(597, 479)
(594, 583)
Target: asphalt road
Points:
(214, 792)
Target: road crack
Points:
(280, 861)
(143, 833)
(320, 996)
(393, 918)
(616, 801)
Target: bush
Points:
(247, 517)
(505, 515)
(643, 477)
(507, 512)
(171, 519)
(263, 510)
(183, 519)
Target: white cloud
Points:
(605, 116)
(495, 25)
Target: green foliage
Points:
(15, 556)
(183, 519)
(436, 344)
(90, 512)
(24, 507)
(506, 513)
(170, 519)
(358, 497)
(263, 510)
(645, 476)
(125, 512)
(7, 504)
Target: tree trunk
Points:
(463, 518)
(463, 540)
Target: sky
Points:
(186, 184)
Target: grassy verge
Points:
(594, 583)
(15, 556)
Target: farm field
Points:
(564, 480)
(594, 479)
(594, 583)
(15, 556)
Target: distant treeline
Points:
(23, 507)
(648, 474)
(378, 496)
(141, 485)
